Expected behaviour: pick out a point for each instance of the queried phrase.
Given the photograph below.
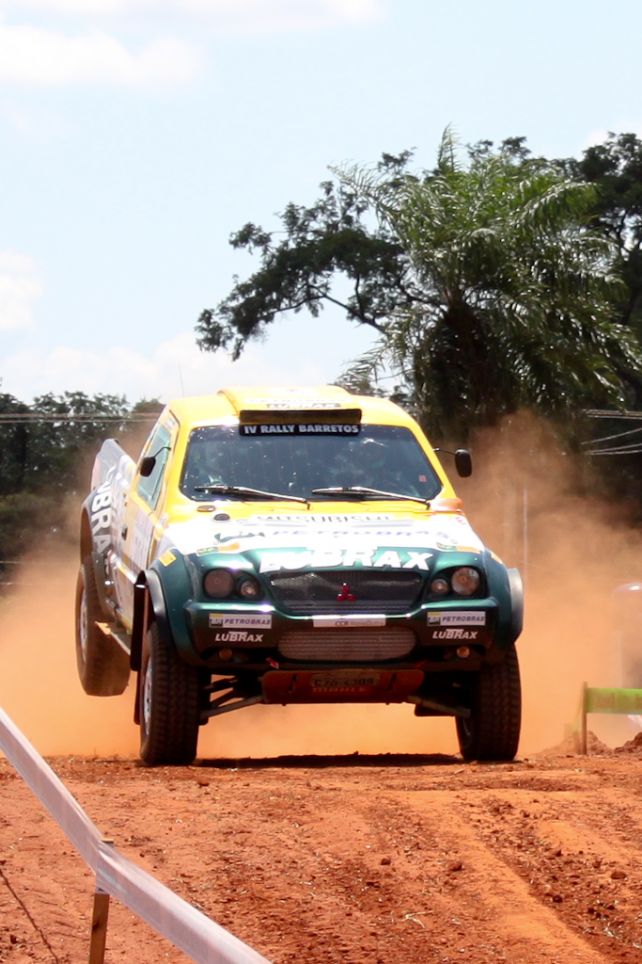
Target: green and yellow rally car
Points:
(292, 546)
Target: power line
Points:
(634, 448)
(625, 450)
(608, 413)
(609, 438)
(20, 418)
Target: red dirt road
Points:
(351, 858)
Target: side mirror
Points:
(463, 463)
(146, 466)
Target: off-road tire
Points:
(103, 667)
(491, 732)
(168, 703)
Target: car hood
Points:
(282, 540)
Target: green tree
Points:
(13, 443)
(46, 451)
(487, 288)
(329, 254)
(64, 426)
(517, 293)
(615, 169)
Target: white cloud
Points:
(173, 368)
(246, 14)
(86, 7)
(283, 15)
(42, 50)
(29, 55)
(19, 289)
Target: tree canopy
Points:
(615, 169)
(493, 283)
(46, 449)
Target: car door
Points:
(140, 518)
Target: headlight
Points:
(249, 588)
(440, 586)
(465, 581)
(218, 583)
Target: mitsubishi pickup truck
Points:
(283, 546)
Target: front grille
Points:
(374, 591)
(351, 645)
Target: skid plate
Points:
(341, 685)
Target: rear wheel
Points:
(169, 703)
(103, 667)
(491, 732)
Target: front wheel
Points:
(491, 732)
(169, 703)
(103, 667)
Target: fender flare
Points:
(149, 606)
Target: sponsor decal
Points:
(456, 618)
(445, 544)
(455, 634)
(298, 429)
(246, 621)
(100, 514)
(170, 423)
(293, 401)
(344, 622)
(349, 558)
(327, 683)
(167, 558)
(238, 636)
(318, 519)
(361, 532)
(306, 537)
(310, 532)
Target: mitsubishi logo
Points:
(345, 595)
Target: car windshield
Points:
(385, 457)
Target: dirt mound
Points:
(631, 746)
(571, 745)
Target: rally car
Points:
(286, 546)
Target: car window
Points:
(149, 487)
(379, 456)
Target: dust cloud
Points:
(573, 553)
(39, 685)
(40, 690)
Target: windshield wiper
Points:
(363, 492)
(243, 492)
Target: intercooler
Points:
(347, 645)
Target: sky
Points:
(137, 135)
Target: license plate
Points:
(344, 682)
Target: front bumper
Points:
(435, 638)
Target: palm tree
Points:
(510, 294)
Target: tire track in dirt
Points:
(477, 891)
(349, 859)
(563, 847)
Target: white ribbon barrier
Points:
(187, 928)
(50, 790)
